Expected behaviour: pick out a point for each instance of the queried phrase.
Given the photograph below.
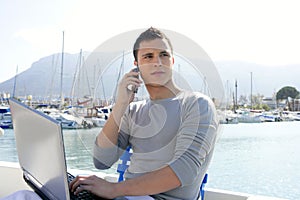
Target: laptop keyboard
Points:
(82, 195)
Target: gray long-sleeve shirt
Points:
(180, 132)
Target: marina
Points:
(254, 158)
(243, 55)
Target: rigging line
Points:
(119, 75)
(88, 81)
(78, 65)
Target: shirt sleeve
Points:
(195, 139)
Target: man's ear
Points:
(135, 63)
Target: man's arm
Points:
(108, 136)
(155, 182)
(110, 143)
(106, 149)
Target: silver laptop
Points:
(41, 152)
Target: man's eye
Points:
(148, 57)
(164, 54)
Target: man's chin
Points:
(154, 85)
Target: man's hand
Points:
(93, 184)
(124, 95)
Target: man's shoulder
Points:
(194, 96)
(192, 100)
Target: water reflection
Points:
(261, 159)
(8, 147)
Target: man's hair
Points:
(149, 34)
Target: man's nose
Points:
(157, 62)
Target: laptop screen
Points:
(40, 150)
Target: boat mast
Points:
(251, 104)
(15, 82)
(61, 72)
(236, 105)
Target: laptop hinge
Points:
(36, 186)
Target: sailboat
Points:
(245, 115)
(226, 115)
(66, 117)
(5, 117)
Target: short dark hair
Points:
(150, 34)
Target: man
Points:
(172, 134)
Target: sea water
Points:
(262, 158)
(258, 158)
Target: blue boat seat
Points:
(125, 161)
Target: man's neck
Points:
(162, 91)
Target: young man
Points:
(172, 134)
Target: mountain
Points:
(42, 79)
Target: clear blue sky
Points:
(259, 31)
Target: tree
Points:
(286, 92)
(243, 100)
(257, 99)
(266, 107)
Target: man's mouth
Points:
(157, 72)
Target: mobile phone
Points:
(131, 87)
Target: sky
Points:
(258, 31)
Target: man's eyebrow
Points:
(147, 54)
(164, 51)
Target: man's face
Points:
(155, 62)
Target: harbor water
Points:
(260, 158)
